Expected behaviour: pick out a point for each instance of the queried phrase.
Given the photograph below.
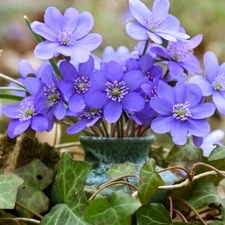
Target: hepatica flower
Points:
(214, 82)
(25, 115)
(115, 90)
(76, 83)
(180, 56)
(181, 112)
(66, 34)
(155, 24)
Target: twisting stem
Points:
(180, 215)
(177, 167)
(171, 206)
(193, 209)
(5, 77)
(66, 145)
(29, 210)
(110, 184)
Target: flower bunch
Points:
(123, 93)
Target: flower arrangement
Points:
(157, 87)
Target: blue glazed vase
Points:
(102, 153)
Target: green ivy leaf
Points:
(149, 181)
(153, 214)
(116, 212)
(121, 169)
(9, 184)
(216, 222)
(36, 178)
(204, 193)
(70, 182)
(217, 153)
(62, 215)
(187, 152)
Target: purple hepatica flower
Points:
(76, 84)
(87, 118)
(66, 34)
(181, 112)
(25, 115)
(153, 25)
(53, 98)
(115, 90)
(214, 82)
(146, 65)
(180, 56)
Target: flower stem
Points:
(145, 48)
(5, 77)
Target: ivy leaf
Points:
(205, 193)
(217, 153)
(121, 169)
(153, 214)
(36, 178)
(9, 184)
(187, 152)
(116, 212)
(216, 222)
(149, 181)
(61, 214)
(70, 182)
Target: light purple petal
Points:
(21, 127)
(136, 31)
(193, 94)
(195, 41)
(161, 106)
(70, 19)
(160, 9)
(175, 69)
(166, 92)
(45, 50)
(160, 51)
(219, 101)
(79, 55)
(84, 25)
(89, 42)
(68, 71)
(222, 68)
(179, 132)
(25, 68)
(60, 110)
(203, 83)
(66, 87)
(133, 79)
(10, 111)
(154, 37)
(86, 68)
(203, 111)
(11, 127)
(114, 71)
(64, 50)
(112, 111)
(96, 99)
(139, 11)
(98, 80)
(76, 103)
(39, 123)
(44, 31)
(32, 84)
(133, 102)
(199, 128)
(77, 127)
(180, 91)
(211, 66)
(53, 18)
(162, 124)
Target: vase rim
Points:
(99, 138)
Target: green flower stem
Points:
(105, 128)
(12, 89)
(5, 77)
(66, 145)
(11, 97)
(29, 210)
(39, 39)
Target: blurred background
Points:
(196, 16)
